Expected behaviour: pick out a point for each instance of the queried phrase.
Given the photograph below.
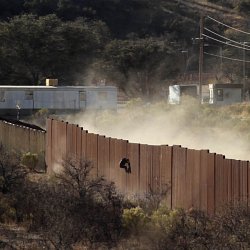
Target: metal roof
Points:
(227, 85)
(34, 87)
(21, 123)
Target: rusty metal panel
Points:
(84, 143)
(48, 143)
(18, 138)
(71, 140)
(36, 141)
(6, 135)
(9, 136)
(1, 132)
(243, 181)
(41, 150)
(193, 179)
(132, 179)
(41, 142)
(78, 142)
(54, 145)
(204, 165)
(150, 171)
(74, 140)
(103, 157)
(12, 136)
(145, 166)
(56, 150)
(235, 181)
(226, 171)
(179, 176)
(34, 136)
(61, 141)
(219, 181)
(196, 187)
(118, 150)
(20, 142)
(166, 172)
(56, 139)
(211, 183)
(190, 179)
(121, 147)
(69, 135)
(156, 171)
(26, 139)
(226, 174)
(113, 161)
(228, 180)
(248, 184)
(34, 147)
(92, 152)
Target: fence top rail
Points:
(22, 124)
(163, 145)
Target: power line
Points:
(228, 39)
(243, 48)
(225, 57)
(228, 26)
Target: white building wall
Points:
(230, 95)
(100, 99)
(174, 94)
(61, 98)
(14, 98)
(52, 99)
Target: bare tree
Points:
(12, 173)
(73, 208)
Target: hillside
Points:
(131, 44)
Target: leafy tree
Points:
(33, 48)
(244, 7)
(142, 61)
(41, 7)
(227, 3)
(10, 8)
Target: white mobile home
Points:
(176, 92)
(224, 94)
(56, 98)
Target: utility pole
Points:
(221, 59)
(201, 56)
(244, 67)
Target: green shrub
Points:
(30, 160)
(134, 219)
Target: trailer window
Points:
(28, 95)
(219, 94)
(2, 96)
(82, 96)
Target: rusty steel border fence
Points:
(197, 178)
(23, 139)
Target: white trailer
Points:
(58, 98)
(176, 92)
(225, 94)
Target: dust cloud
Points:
(189, 124)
